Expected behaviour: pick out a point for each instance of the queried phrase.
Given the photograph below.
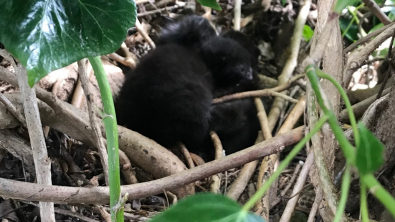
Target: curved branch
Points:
(100, 195)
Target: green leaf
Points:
(206, 207)
(307, 33)
(210, 3)
(352, 31)
(283, 2)
(369, 152)
(342, 4)
(47, 35)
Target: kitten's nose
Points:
(249, 74)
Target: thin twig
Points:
(100, 195)
(366, 38)
(187, 156)
(288, 211)
(68, 213)
(237, 15)
(36, 135)
(104, 214)
(291, 62)
(92, 117)
(390, 67)
(12, 109)
(316, 204)
(263, 206)
(377, 11)
(356, 58)
(217, 145)
(216, 180)
(126, 169)
(291, 181)
(259, 93)
(141, 30)
(246, 172)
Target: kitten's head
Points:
(247, 43)
(229, 62)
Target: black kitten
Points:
(167, 97)
(236, 122)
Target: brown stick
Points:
(259, 93)
(11, 108)
(100, 195)
(366, 38)
(99, 143)
(376, 10)
(36, 135)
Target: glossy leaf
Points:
(369, 152)
(307, 33)
(206, 207)
(210, 3)
(342, 4)
(47, 35)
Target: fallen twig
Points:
(12, 110)
(291, 61)
(92, 118)
(100, 195)
(289, 209)
(36, 135)
(259, 93)
(376, 10)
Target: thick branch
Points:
(100, 195)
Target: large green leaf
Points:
(47, 35)
(369, 152)
(210, 3)
(206, 207)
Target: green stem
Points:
(110, 125)
(258, 195)
(346, 102)
(379, 192)
(344, 193)
(348, 27)
(347, 148)
(364, 203)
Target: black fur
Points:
(236, 122)
(189, 31)
(247, 43)
(228, 61)
(167, 97)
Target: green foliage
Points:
(307, 33)
(342, 4)
(206, 207)
(211, 3)
(48, 35)
(283, 2)
(391, 16)
(349, 28)
(369, 152)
